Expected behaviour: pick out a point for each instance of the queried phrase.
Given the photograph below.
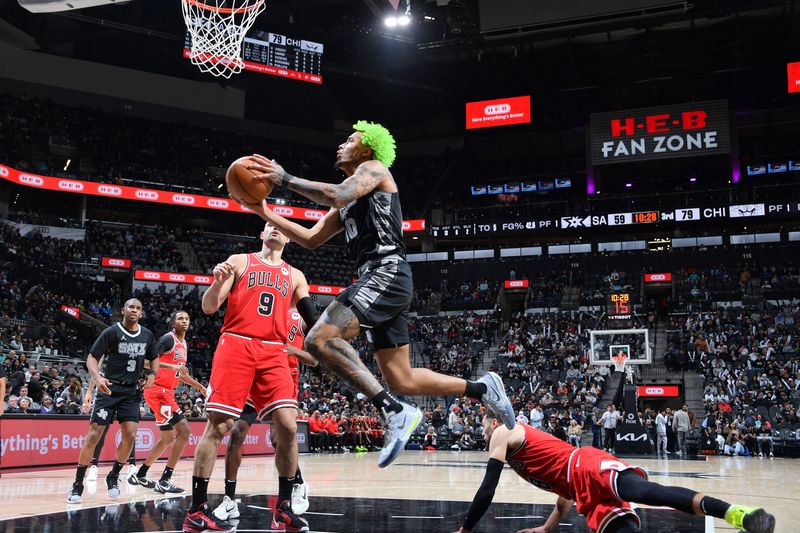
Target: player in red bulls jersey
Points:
(251, 361)
(174, 428)
(596, 482)
(233, 455)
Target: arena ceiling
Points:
(418, 78)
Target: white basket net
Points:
(217, 28)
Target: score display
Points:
(619, 305)
(278, 55)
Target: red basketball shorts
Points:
(162, 402)
(245, 367)
(593, 480)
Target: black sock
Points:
(475, 389)
(230, 488)
(95, 461)
(285, 489)
(167, 475)
(714, 507)
(143, 470)
(199, 493)
(115, 469)
(298, 477)
(386, 402)
(80, 474)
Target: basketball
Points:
(242, 186)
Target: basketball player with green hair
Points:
(366, 207)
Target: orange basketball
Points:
(241, 184)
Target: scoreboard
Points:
(619, 305)
(278, 55)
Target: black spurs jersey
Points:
(125, 352)
(373, 227)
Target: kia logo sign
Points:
(283, 211)
(497, 109)
(312, 214)
(27, 179)
(109, 190)
(202, 279)
(218, 204)
(183, 199)
(177, 277)
(146, 195)
(3, 172)
(68, 185)
(151, 275)
(145, 439)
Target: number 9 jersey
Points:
(259, 301)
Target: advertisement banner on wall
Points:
(649, 133)
(158, 196)
(500, 112)
(43, 440)
(116, 262)
(515, 284)
(658, 391)
(662, 277)
(202, 279)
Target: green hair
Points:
(377, 137)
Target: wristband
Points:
(286, 179)
(148, 372)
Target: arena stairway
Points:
(189, 257)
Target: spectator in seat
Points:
(429, 443)
(47, 406)
(749, 436)
(465, 442)
(24, 407)
(574, 433)
(12, 404)
(457, 429)
(61, 406)
(764, 438)
(708, 443)
(734, 445)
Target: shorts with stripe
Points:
(380, 299)
(243, 367)
(162, 402)
(593, 481)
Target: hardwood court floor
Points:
(422, 491)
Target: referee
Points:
(127, 347)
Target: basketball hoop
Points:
(217, 28)
(620, 361)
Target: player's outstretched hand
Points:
(181, 370)
(102, 384)
(149, 381)
(266, 170)
(259, 208)
(539, 529)
(223, 271)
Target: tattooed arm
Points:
(368, 176)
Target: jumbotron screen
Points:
(278, 55)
